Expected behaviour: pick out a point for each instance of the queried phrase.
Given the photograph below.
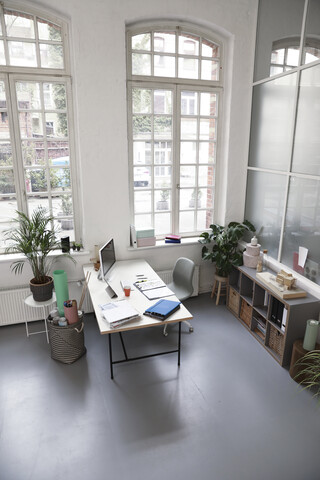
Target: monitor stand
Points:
(110, 291)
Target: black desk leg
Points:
(110, 356)
(123, 347)
(179, 344)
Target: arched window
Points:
(174, 91)
(285, 53)
(35, 124)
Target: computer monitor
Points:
(107, 260)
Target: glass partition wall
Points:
(283, 184)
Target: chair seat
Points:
(181, 293)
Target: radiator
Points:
(14, 310)
(166, 276)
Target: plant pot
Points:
(41, 291)
(221, 279)
(162, 205)
(66, 224)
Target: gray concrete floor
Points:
(230, 412)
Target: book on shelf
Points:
(284, 319)
(146, 233)
(170, 240)
(177, 238)
(146, 241)
(133, 236)
(118, 313)
(277, 310)
(261, 328)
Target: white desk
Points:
(128, 270)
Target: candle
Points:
(310, 336)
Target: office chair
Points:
(181, 284)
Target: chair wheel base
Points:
(191, 329)
(165, 334)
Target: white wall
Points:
(97, 31)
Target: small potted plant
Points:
(66, 210)
(35, 238)
(163, 203)
(78, 246)
(192, 201)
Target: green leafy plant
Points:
(164, 195)
(66, 204)
(35, 238)
(225, 252)
(309, 372)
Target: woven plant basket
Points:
(234, 300)
(276, 340)
(67, 343)
(246, 312)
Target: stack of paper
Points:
(117, 313)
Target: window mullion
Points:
(16, 146)
(176, 159)
(152, 158)
(37, 41)
(5, 42)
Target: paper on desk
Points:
(303, 253)
(118, 311)
(149, 284)
(158, 293)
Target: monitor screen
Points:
(107, 257)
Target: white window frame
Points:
(11, 74)
(176, 85)
(288, 173)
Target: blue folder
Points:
(162, 309)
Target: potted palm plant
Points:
(34, 238)
(225, 252)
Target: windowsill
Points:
(162, 244)
(15, 256)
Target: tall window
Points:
(174, 93)
(35, 141)
(283, 186)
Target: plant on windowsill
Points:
(66, 210)
(192, 201)
(35, 238)
(163, 203)
(225, 252)
(76, 246)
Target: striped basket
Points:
(67, 343)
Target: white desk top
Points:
(128, 270)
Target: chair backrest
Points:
(182, 276)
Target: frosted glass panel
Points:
(280, 24)
(272, 123)
(311, 49)
(264, 207)
(306, 153)
(302, 227)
